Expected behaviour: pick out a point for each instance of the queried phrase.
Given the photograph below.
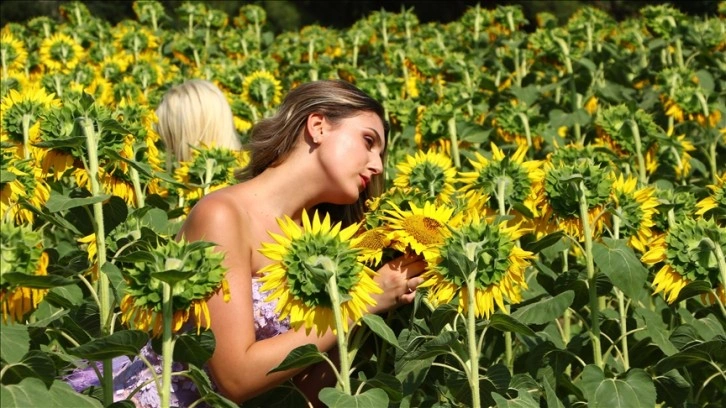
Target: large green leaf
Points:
(15, 342)
(550, 395)
(335, 398)
(508, 323)
(58, 202)
(37, 281)
(121, 343)
(657, 331)
(302, 356)
(546, 310)
(379, 327)
(32, 392)
(522, 400)
(35, 364)
(618, 262)
(706, 352)
(193, 348)
(636, 390)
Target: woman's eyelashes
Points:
(370, 142)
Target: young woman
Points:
(323, 150)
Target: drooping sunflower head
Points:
(23, 108)
(687, 252)
(22, 254)
(21, 181)
(614, 127)
(60, 53)
(262, 90)
(487, 250)
(675, 206)
(634, 211)
(421, 229)
(517, 181)
(13, 50)
(193, 270)
(432, 173)
(511, 122)
(307, 260)
(563, 186)
(716, 199)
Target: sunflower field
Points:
(566, 186)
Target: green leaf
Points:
(637, 389)
(36, 364)
(522, 400)
(36, 281)
(441, 316)
(118, 283)
(544, 242)
(657, 331)
(32, 392)
(618, 262)
(173, 276)
(15, 342)
(550, 395)
(694, 288)
(508, 323)
(193, 348)
(58, 202)
(65, 296)
(379, 327)
(673, 388)
(302, 356)
(121, 343)
(387, 383)
(706, 352)
(335, 398)
(546, 310)
(69, 142)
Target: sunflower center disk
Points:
(424, 229)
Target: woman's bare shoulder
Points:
(221, 212)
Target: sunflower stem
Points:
(167, 346)
(639, 153)
(26, 136)
(454, 140)
(501, 199)
(527, 132)
(591, 280)
(621, 305)
(567, 316)
(471, 340)
(104, 295)
(335, 299)
(718, 251)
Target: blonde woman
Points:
(192, 114)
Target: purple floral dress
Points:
(128, 374)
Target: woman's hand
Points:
(399, 279)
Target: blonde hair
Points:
(193, 114)
(272, 139)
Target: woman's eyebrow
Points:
(378, 135)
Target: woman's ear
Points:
(314, 127)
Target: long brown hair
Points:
(272, 139)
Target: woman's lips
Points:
(365, 181)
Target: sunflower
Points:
(432, 173)
(307, 261)
(421, 229)
(20, 112)
(685, 258)
(635, 210)
(21, 182)
(60, 53)
(262, 90)
(512, 121)
(715, 200)
(562, 189)
(490, 252)
(522, 181)
(14, 54)
(22, 252)
(210, 169)
(203, 276)
(613, 130)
